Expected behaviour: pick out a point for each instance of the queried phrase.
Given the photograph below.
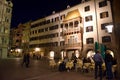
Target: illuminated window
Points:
(104, 15)
(89, 40)
(89, 28)
(88, 18)
(106, 39)
(87, 8)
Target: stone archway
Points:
(90, 53)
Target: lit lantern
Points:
(77, 53)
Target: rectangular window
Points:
(57, 18)
(104, 15)
(62, 17)
(76, 23)
(48, 21)
(89, 40)
(8, 10)
(46, 29)
(35, 31)
(40, 30)
(87, 8)
(89, 28)
(71, 24)
(61, 25)
(88, 18)
(62, 43)
(103, 3)
(52, 20)
(53, 27)
(66, 25)
(103, 25)
(106, 39)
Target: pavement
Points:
(11, 69)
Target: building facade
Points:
(5, 22)
(73, 31)
(19, 39)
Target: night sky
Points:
(26, 10)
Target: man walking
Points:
(98, 64)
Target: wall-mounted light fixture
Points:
(109, 28)
(51, 54)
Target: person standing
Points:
(98, 64)
(26, 60)
(108, 64)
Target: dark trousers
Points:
(98, 70)
(109, 70)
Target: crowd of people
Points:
(102, 66)
(74, 63)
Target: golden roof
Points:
(72, 14)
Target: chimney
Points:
(68, 6)
(53, 12)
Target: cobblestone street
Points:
(11, 69)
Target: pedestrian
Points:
(26, 60)
(98, 64)
(62, 66)
(84, 68)
(75, 62)
(108, 64)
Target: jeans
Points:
(109, 70)
(98, 70)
